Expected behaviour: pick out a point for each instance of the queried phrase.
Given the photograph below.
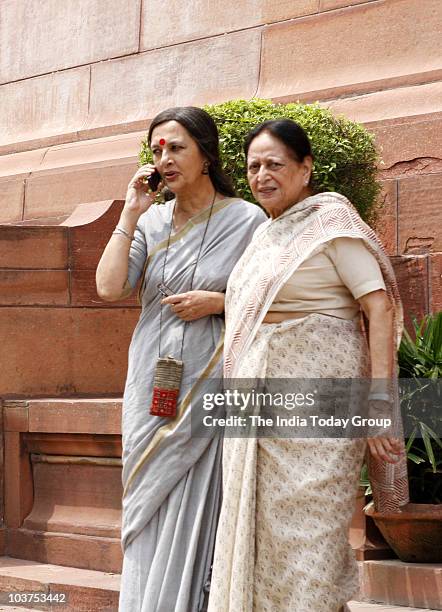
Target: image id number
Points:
(36, 597)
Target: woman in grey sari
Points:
(184, 250)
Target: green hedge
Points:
(345, 155)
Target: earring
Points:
(205, 168)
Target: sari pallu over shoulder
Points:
(257, 278)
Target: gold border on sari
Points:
(190, 224)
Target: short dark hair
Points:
(202, 128)
(290, 133)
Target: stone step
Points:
(358, 606)
(79, 551)
(395, 583)
(82, 590)
(86, 590)
(15, 609)
(352, 606)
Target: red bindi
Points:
(162, 142)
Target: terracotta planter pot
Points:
(415, 534)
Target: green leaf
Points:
(431, 433)
(428, 447)
(415, 458)
(411, 439)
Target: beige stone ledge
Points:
(71, 136)
(390, 104)
(53, 181)
(122, 146)
(51, 193)
(362, 48)
(21, 163)
(57, 35)
(402, 107)
(76, 415)
(329, 5)
(199, 19)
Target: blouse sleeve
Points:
(357, 267)
(137, 255)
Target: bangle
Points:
(123, 232)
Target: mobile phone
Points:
(154, 180)
(164, 289)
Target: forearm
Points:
(112, 270)
(381, 342)
(379, 312)
(196, 304)
(383, 446)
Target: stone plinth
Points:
(63, 482)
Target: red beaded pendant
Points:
(166, 387)
(164, 402)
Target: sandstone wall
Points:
(80, 79)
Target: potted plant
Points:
(415, 534)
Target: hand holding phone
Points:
(154, 180)
(142, 189)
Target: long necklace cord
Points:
(193, 271)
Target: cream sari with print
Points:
(282, 541)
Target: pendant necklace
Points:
(168, 370)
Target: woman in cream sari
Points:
(292, 311)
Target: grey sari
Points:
(172, 481)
